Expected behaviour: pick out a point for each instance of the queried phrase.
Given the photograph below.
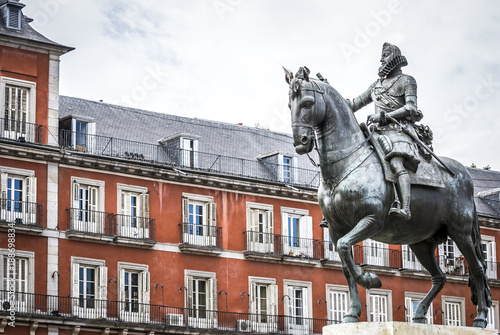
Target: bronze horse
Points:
(355, 198)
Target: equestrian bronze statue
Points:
(366, 170)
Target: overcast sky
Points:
(221, 59)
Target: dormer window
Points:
(78, 133)
(13, 17)
(189, 152)
(284, 166)
(181, 149)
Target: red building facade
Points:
(104, 231)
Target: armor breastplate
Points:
(388, 94)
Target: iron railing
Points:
(88, 221)
(201, 235)
(134, 226)
(282, 245)
(116, 312)
(21, 212)
(21, 131)
(186, 159)
(372, 255)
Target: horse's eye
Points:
(307, 104)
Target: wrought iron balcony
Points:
(377, 256)
(117, 313)
(88, 221)
(21, 212)
(201, 235)
(185, 159)
(22, 131)
(282, 245)
(134, 227)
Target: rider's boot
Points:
(404, 186)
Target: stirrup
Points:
(405, 214)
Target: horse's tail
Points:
(476, 239)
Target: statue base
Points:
(402, 328)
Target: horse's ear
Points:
(288, 75)
(306, 73)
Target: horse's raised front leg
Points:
(366, 227)
(425, 254)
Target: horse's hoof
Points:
(480, 323)
(349, 318)
(372, 281)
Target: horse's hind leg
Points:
(425, 253)
(478, 282)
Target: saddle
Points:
(428, 172)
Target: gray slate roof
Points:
(486, 180)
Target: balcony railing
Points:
(185, 159)
(371, 255)
(329, 252)
(116, 312)
(201, 235)
(282, 245)
(134, 226)
(21, 131)
(21, 212)
(89, 221)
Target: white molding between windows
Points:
(199, 274)
(294, 211)
(88, 261)
(30, 255)
(487, 238)
(16, 171)
(261, 280)
(198, 197)
(256, 205)
(131, 188)
(132, 266)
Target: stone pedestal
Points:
(402, 328)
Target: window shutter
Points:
(213, 214)
(185, 210)
(75, 289)
(76, 188)
(145, 282)
(253, 298)
(145, 205)
(212, 284)
(3, 188)
(91, 129)
(269, 229)
(409, 309)
(126, 203)
(189, 292)
(284, 224)
(31, 189)
(121, 289)
(103, 291)
(295, 170)
(441, 257)
(305, 299)
(254, 220)
(404, 250)
(195, 153)
(273, 297)
(289, 302)
(280, 167)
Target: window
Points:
(189, 152)
(89, 288)
(83, 135)
(298, 306)
(201, 299)
(87, 203)
(133, 212)
(453, 311)
(21, 270)
(411, 303)
(410, 260)
(260, 231)
(492, 321)
(263, 302)
(450, 259)
(379, 307)
(337, 301)
(490, 255)
(329, 249)
(134, 294)
(296, 227)
(199, 225)
(375, 253)
(19, 109)
(18, 196)
(13, 17)
(287, 169)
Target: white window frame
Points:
(258, 241)
(89, 136)
(210, 321)
(101, 282)
(144, 283)
(445, 300)
(491, 255)
(410, 260)
(28, 214)
(92, 223)
(270, 325)
(331, 255)
(30, 113)
(412, 297)
(336, 294)
(24, 302)
(371, 312)
(132, 226)
(19, 17)
(451, 264)
(191, 232)
(189, 156)
(375, 253)
(294, 172)
(294, 324)
(492, 320)
(303, 244)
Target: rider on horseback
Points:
(395, 97)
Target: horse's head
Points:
(307, 104)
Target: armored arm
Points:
(364, 99)
(409, 110)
